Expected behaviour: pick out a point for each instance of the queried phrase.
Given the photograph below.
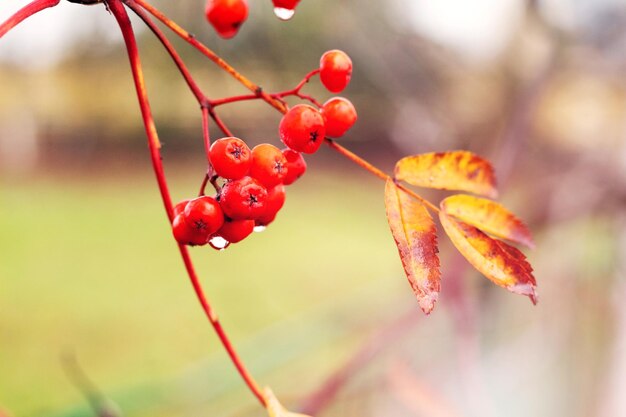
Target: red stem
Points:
(220, 123)
(121, 16)
(193, 86)
(377, 172)
(24, 13)
(205, 132)
(274, 101)
(189, 38)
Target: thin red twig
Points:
(189, 38)
(121, 16)
(24, 13)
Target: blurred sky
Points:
(478, 29)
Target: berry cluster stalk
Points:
(124, 23)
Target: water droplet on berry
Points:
(259, 228)
(284, 14)
(219, 243)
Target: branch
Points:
(24, 13)
(189, 38)
(123, 21)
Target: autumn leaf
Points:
(456, 170)
(415, 234)
(501, 263)
(488, 216)
(275, 408)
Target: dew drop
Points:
(219, 243)
(284, 14)
(259, 228)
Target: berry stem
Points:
(117, 9)
(24, 13)
(205, 132)
(377, 172)
(220, 123)
(273, 100)
(193, 86)
(189, 38)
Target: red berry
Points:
(286, 4)
(296, 166)
(186, 235)
(339, 116)
(204, 214)
(302, 128)
(269, 165)
(230, 157)
(275, 201)
(226, 16)
(335, 70)
(180, 207)
(236, 230)
(243, 198)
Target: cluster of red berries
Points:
(252, 195)
(304, 127)
(254, 180)
(227, 16)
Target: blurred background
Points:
(317, 304)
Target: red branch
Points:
(121, 16)
(24, 13)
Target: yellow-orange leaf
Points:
(415, 234)
(275, 408)
(488, 216)
(456, 170)
(501, 263)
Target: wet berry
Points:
(275, 201)
(230, 157)
(286, 4)
(269, 165)
(226, 16)
(302, 128)
(236, 230)
(296, 166)
(185, 234)
(180, 207)
(335, 70)
(204, 214)
(243, 199)
(339, 116)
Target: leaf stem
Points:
(377, 172)
(124, 23)
(24, 13)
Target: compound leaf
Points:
(275, 408)
(488, 216)
(501, 263)
(415, 235)
(455, 170)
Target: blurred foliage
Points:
(86, 263)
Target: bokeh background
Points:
(89, 273)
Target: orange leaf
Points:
(501, 263)
(456, 170)
(275, 408)
(415, 234)
(488, 216)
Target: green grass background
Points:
(87, 266)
